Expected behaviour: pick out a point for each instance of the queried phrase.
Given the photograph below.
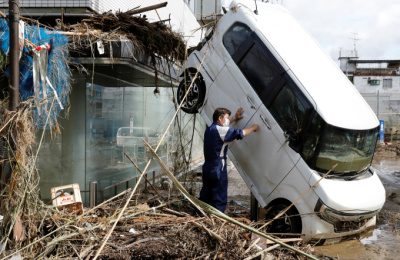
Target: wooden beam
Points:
(162, 21)
(145, 9)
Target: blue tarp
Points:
(57, 70)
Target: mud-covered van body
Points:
(310, 115)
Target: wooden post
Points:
(14, 54)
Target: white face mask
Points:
(227, 122)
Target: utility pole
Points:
(13, 15)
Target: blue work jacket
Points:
(216, 140)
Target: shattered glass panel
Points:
(311, 140)
(351, 150)
(288, 110)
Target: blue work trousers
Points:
(215, 185)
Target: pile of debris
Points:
(151, 38)
(388, 149)
(156, 40)
(148, 229)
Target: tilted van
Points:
(310, 115)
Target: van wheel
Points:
(195, 97)
(289, 222)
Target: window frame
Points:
(309, 114)
(270, 91)
(384, 83)
(229, 30)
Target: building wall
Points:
(361, 83)
(384, 101)
(96, 5)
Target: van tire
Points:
(290, 222)
(195, 97)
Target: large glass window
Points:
(235, 36)
(290, 111)
(109, 117)
(258, 68)
(118, 119)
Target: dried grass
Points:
(20, 203)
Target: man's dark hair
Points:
(220, 112)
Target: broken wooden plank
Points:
(145, 9)
(162, 21)
(89, 32)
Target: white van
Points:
(310, 115)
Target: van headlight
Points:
(343, 221)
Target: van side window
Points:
(235, 36)
(290, 110)
(311, 141)
(258, 68)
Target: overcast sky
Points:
(333, 22)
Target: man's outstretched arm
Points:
(249, 130)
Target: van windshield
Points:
(326, 145)
(351, 150)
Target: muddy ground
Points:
(383, 242)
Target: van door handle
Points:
(251, 103)
(265, 122)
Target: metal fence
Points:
(94, 191)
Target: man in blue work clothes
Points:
(216, 140)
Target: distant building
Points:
(378, 81)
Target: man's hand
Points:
(255, 127)
(249, 130)
(239, 114)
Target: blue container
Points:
(381, 131)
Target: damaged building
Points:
(118, 97)
(378, 81)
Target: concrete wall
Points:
(384, 101)
(362, 85)
(97, 5)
